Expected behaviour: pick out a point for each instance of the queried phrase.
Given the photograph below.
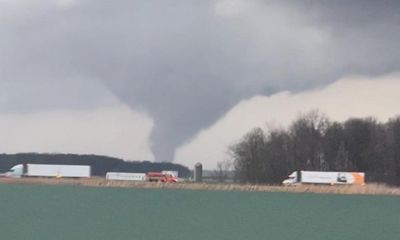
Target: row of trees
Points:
(315, 143)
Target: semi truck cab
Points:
(292, 179)
(15, 172)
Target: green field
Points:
(69, 212)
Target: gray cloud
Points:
(42, 95)
(185, 63)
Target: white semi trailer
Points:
(332, 178)
(126, 176)
(49, 170)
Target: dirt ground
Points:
(368, 189)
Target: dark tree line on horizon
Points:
(315, 143)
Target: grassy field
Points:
(75, 212)
(369, 189)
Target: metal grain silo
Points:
(198, 172)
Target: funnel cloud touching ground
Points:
(186, 63)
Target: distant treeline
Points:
(100, 165)
(313, 142)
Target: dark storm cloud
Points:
(365, 34)
(186, 63)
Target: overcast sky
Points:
(150, 77)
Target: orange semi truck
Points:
(332, 178)
(161, 177)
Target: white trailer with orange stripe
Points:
(332, 178)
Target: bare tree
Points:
(307, 133)
(223, 171)
(248, 156)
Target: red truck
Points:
(160, 177)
